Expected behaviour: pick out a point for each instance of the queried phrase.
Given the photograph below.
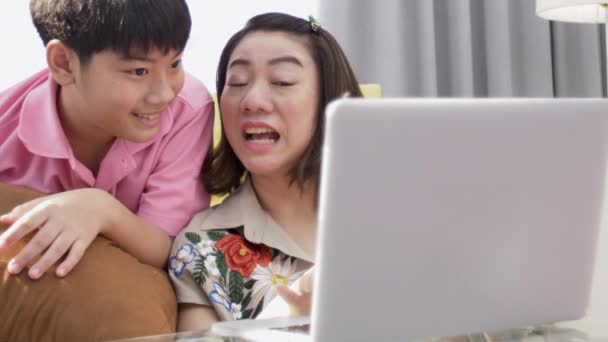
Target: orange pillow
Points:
(108, 295)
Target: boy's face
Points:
(117, 96)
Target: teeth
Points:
(147, 116)
(258, 130)
(263, 141)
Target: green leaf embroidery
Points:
(259, 308)
(200, 271)
(247, 314)
(193, 237)
(249, 284)
(246, 301)
(221, 265)
(236, 287)
(216, 235)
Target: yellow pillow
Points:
(371, 90)
(109, 294)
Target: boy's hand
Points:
(66, 223)
(300, 299)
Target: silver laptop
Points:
(443, 217)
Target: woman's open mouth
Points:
(261, 135)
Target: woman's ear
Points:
(61, 61)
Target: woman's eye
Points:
(139, 72)
(176, 64)
(283, 84)
(237, 84)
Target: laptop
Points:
(441, 217)
(444, 217)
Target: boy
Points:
(114, 130)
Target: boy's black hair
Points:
(125, 26)
(222, 170)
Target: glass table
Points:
(561, 332)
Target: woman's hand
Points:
(66, 222)
(300, 298)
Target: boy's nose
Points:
(256, 100)
(162, 91)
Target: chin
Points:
(265, 169)
(140, 138)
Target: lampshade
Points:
(577, 11)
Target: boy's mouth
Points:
(150, 117)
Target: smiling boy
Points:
(114, 130)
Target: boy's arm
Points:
(143, 240)
(124, 226)
(67, 223)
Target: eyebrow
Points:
(274, 61)
(139, 56)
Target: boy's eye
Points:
(176, 64)
(139, 72)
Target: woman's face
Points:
(269, 103)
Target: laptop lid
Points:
(441, 217)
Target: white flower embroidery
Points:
(183, 257)
(205, 247)
(235, 309)
(211, 265)
(220, 296)
(267, 278)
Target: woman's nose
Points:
(256, 100)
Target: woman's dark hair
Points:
(223, 171)
(91, 26)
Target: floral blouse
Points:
(232, 257)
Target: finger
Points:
(306, 281)
(19, 211)
(27, 223)
(57, 249)
(74, 256)
(45, 236)
(6, 219)
(299, 304)
(290, 296)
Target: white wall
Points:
(213, 22)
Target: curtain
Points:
(467, 48)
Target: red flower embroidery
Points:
(242, 256)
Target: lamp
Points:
(577, 11)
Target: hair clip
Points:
(315, 24)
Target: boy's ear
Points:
(61, 60)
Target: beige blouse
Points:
(232, 256)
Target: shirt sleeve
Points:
(184, 256)
(199, 272)
(174, 192)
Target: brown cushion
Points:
(108, 295)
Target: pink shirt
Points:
(158, 180)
